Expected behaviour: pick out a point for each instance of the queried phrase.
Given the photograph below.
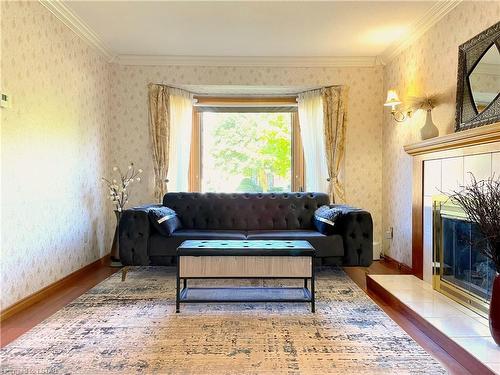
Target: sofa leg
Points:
(124, 273)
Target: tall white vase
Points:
(429, 130)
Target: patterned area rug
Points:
(131, 327)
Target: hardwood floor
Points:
(14, 326)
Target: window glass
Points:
(246, 152)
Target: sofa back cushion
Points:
(246, 211)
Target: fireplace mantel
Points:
(477, 136)
(481, 140)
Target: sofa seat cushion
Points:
(206, 234)
(167, 246)
(326, 246)
(283, 234)
(331, 246)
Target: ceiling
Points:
(253, 29)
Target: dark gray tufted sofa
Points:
(243, 216)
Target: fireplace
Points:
(460, 271)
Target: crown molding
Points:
(419, 28)
(430, 18)
(71, 20)
(379, 60)
(248, 61)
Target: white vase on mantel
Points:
(429, 130)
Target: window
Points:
(246, 152)
(246, 149)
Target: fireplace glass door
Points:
(461, 270)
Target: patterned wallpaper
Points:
(74, 111)
(74, 116)
(129, 118)
(53, 151)
(428, 66)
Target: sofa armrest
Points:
(134, 232)
(356, 228)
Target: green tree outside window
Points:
(252, 149)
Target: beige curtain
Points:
(334, 117)
(312, 132)
(159, 125)
(181, 125)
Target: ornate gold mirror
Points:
(478, 85)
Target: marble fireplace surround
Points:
(441, 165)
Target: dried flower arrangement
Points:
(428, 102)
(481, 202)
(119, 190)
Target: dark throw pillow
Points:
(164, 219)
(325, 218)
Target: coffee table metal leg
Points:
(178, 286)
(124, 273)
(313, 298)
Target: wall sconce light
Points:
(393, 101)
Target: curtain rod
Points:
(240, 105)
(319, 88)
(242, 101)
(198, 95)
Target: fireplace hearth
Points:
(460, 270)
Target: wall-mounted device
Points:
(393, 101)
(5, 101)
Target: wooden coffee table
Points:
(238, 259)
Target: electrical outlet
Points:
(389, 234)
(5, 100)
(377, 250)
